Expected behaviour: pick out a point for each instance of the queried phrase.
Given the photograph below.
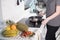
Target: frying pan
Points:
(35, 20)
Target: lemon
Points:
(8, 27)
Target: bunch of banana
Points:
(10, 30)
(10, 33)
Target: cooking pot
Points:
(35, 21)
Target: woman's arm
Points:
(52, 16)
(55, 14)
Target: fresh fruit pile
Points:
(27, 34)
(10, 30)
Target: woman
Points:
(53, 18)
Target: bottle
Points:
(17, 2)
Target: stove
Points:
(32, 23)
(29, 23)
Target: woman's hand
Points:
(44, 22)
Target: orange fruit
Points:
(13, 27)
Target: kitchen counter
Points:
(37, 36)
(44, 31)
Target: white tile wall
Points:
(0, 10)
(10, 10)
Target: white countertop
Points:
(37, 36)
